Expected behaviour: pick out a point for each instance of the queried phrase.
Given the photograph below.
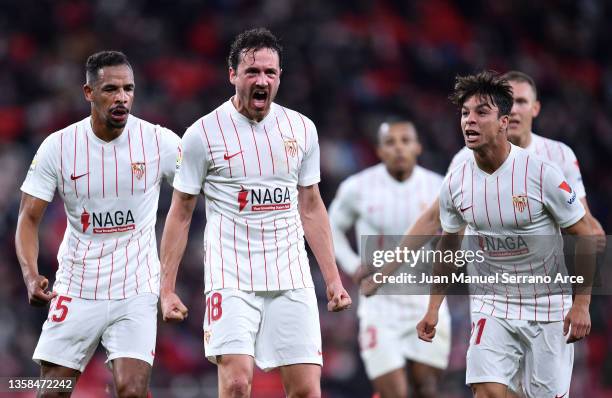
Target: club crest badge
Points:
(138, 169)
(519, 202)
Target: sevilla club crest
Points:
(519, 202)
(138, 169)
(291, 147)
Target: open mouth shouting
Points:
(259, 99)
(471, 136)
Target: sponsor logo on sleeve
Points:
(564, 186)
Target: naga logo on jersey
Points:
(138, 169)
(264, 199)
(565, 187)
(519, 202)
(291, 147)
(503, 246)
(108, 222)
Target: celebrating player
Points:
(107, 169)
(504, 190)
(258, 165)
(399, 191)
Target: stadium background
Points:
(347, 65)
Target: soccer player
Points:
(384, 200)
(258, 165)
(525, 108)
(506, 191)
(107, 168)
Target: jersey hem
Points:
(37, 194)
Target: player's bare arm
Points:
(426, 328)
(578, 320)
(31, 211)
(597, 229)
(173, 243)
(318, 235)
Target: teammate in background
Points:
(384, 200)
(525, 108)
(514, 338)
(107, 169)
(258, 164)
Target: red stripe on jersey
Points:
(486, 204)
(110, 278)
(62, 161)
(87, 143)
(547, 150)
(520, 295)
(450, 193)
(239, 144)
(209, 263)
(291, 128)
(548, 286)
(498, 203)
(283, 139)
(527, 193)
(541, 173)
(256, 149)
(149, 268)
(297, 239)
(562, 152)
(229, 160)
(276, 261)
(74, 173)
(270, 146)
(138, 261)
(221, 250)
(473, 203)
(103, 172)
(207, 142)
(535, 295)
(462, 177)
(288, 257)
(144, 157)
(305, 134)
(83, 271)
(561, 288)
(158, 158)
(131, 171)
(72, 267)
(98, 274)
(263, 244)
(116, 173)
(236, 255)
(507, 301)
(513, 207)
(127, 260)
(493, 290)
(249, 250)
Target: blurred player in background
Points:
(107, 169)
(525, 108)
(514, 339)
(385, 200)
(258, 165)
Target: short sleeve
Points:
(343, 209)
(310, 168)
(450, 219)
(42, 177)
(571, 171)
(170, 153)
(191, 163)
(464, 154)
(560, 198)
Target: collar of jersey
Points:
(239, 116)
(122, 137)
(500, 169)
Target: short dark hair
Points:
(254, 39)
(487, 84)
(99, 60)
(517, 76)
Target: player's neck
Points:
(491, 157)
(102, 131)
(400, 175)
(524, 141)
(244, 111)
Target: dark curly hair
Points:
(99, 60)
(488, 84)
(253, 39)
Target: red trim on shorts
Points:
(283, 140)
(289, 257)
(264, 254)
(276, 261)
(527, 193)
(144, 157)
(229, 161)
(98, 274)
(270, 146)
(236, 255)
(83, 271)
(249, 251)
(239, 145)
(212, 159)
(256, 150)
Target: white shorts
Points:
(388, 336)
(529, 357)
(74, 328)
(276, 328)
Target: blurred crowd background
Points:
(348, 66)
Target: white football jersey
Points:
(249, 173)
(525, 200)
(555, 151)
(110, 192)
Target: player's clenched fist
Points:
(173, 309)
(426, 328)
(38, 295)
(577, 323)
(338, 297)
